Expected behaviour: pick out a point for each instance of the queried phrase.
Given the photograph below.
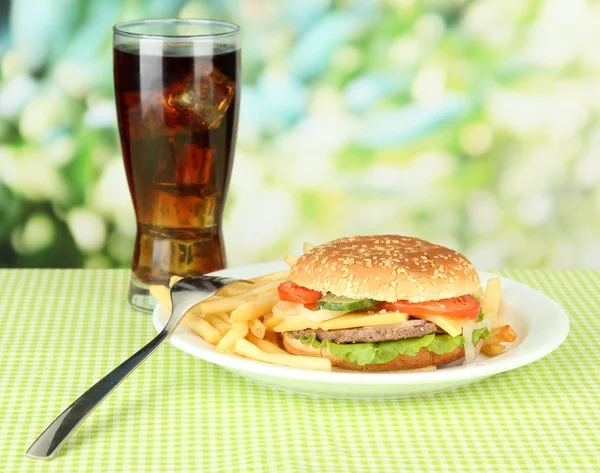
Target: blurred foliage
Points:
(471, 123)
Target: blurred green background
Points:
(472, 123)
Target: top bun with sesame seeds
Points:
(386, 268)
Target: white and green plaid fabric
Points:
(64, 329)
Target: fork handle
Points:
(48, 443)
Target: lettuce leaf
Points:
(445, 344)
(480, 334)
(382, 352)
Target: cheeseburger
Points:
(380, 303)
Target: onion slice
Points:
(408, 323)
(289, 309)
(470, 350)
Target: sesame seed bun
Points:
(422, 359)
(386, 268)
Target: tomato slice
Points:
(289, 291)
(463, 307)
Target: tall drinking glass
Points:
(177, 90)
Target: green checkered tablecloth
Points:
(64, 329)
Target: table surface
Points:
(62, 330)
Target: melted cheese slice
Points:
(362, 320)
(452, 326)
(301, 322)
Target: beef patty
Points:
(375, 333)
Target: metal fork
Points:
(185, 294)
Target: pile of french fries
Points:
(239, 319)
(490, 306)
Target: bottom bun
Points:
(422, 359)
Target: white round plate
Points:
(540, 323)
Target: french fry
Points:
(290, 260)
(201, 327)
(493, 345)
(307, 247)
(504, 333)
(492, 349)
(223, 316)
(249, 350)
(265, 345)
(257, 328)
(238, 330)
(272, 337)
(234, 289)
(221, 325)
(253, 309)
(161, 294)
(271, 321)
(490, 305)
(228, 304)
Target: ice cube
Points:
(185, 164)
(194, 165)
(175, 210)
(208, 96)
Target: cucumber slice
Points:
(332, 302)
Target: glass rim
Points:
(232, 28)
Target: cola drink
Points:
(177, 113)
